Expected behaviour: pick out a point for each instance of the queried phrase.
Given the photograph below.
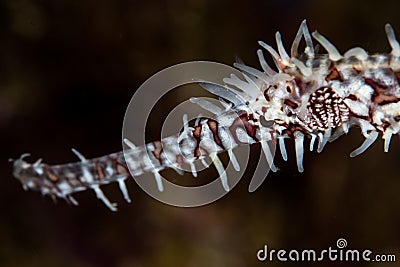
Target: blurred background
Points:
(67, 72)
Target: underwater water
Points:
(67, 72)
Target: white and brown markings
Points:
(325, 109)
(308, 95)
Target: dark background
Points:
(67, 72)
